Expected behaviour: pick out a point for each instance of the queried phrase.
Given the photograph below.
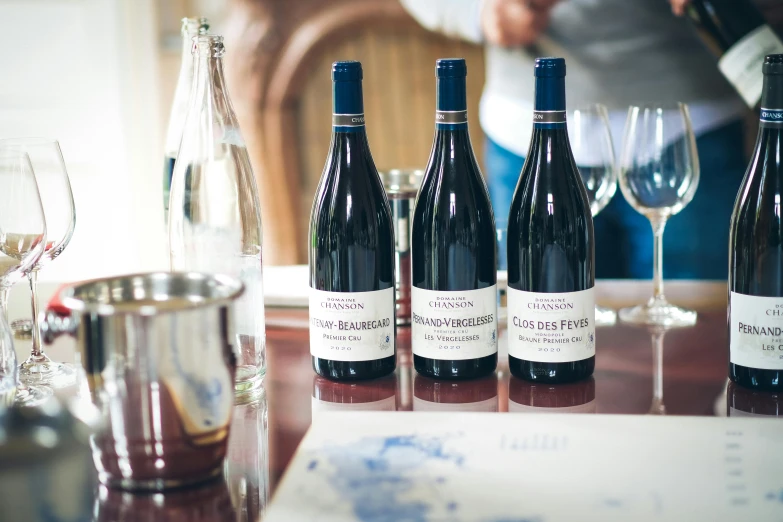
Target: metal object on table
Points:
(46, 471)
(402, 186)
(23, 329)
(157, 350)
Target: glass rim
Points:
(665, 105)
(31, 140)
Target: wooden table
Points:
(692, 373)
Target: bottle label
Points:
(551, 327)
(488, 405)
(771, 118)
(454, 325)
(347, 120)
(318, 406)
(741, 64)
(549, 119)
(515, 407)
(756, 336)
(352, 326)
(451, 117)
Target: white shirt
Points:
(618, 52)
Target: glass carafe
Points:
(215, 217)
(179, 107)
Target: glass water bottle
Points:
(179, 108)
(215, 216)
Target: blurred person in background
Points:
(618, 53)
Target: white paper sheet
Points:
(369, 467)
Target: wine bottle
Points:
(179, 108)
(453, 249)
(352, 326)
(376, 395)
(530, 397)
(455, 396)
(736, 33)
(551, 303)
(215, 215)
(742, 402)
(756, 251)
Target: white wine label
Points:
(756, 335)
(487, 405)
(741, 64)
(551, 327)
(454, 325)
(319, 406)
(352, 326)
(515, 407)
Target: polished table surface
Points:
(690, 380)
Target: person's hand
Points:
(678, 6)
(513, 23)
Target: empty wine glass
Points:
(57, 201)
(591, 143)
(659, 174)
(22, 240)
(657, 333)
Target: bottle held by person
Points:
(756, 251)
(453, 247)
(179, 107)
(351, 250)
(551, 278)
(215, 216)
(737, 34)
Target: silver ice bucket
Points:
(157, 350)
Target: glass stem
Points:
(33, 277)
(657, 345)
(4, 301)
(658, 224)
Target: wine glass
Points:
(657, 334)
(591, 144)
(22, 240)
(659, 174)
(57, 201)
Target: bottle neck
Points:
(549, 111)
(347, 106)
(451, 106)
(772, 102)
(209, 88)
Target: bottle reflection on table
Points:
(528, 397)
(474, 395)
(742, 402)
(210, 502)
(375, 395)
(246, 469)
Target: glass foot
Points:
(605, 316)
(31, 395)
(657, 407)
(658, 312)
(41, 370)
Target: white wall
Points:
(86, 72)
